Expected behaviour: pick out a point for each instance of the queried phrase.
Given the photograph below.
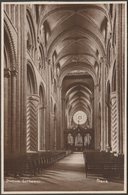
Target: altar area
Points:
(79, 139)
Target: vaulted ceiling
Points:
(77, 34)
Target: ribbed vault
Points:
(75, 38)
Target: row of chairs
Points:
(104, 163)
(30, 163)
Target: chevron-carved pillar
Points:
(114, 123)
(32, 123)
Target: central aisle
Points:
(66, 175)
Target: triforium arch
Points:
(31, 80)
(10, 73)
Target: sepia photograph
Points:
(64, 97)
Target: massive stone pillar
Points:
(13, 111)
(103, 125)
(22, 77)
(55, 134)
(95, 116)
(114, 123)
(10, 131)
(63, 120)
(32, 123)
(47, 110)
(59, 134)
(7, 111)
(41, 128)
(108, 120)
(120, 71)
(51, 130)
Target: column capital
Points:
(96, 85)
(103, 59)
(7, 72)
(42, 107)
(34, 97)
(14, 72)
(48, 60)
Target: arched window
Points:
(114, 78)
(29, 42)
(108, 52)
(41, 57)
(54, 56)
(114, 31)
(41, 96)
(46, 31)
(30, 81)
(52, 77)
(31, 38)
(55, 86)
(111, 10)
(58, 70)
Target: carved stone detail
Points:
(7, 72)
(14, 72)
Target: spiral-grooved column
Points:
(32, 123)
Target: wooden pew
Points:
(104, 164)
(30, 163)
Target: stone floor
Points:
(66, 175)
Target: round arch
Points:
(43, 90)
(9, 45)
(31, 23)
(85, 67)
(31, 80)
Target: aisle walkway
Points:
(66, 175)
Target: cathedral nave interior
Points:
(64, 91)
